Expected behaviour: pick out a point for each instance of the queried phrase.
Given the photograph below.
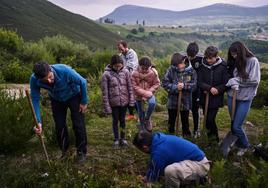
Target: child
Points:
(145, 82)
(196, 61)
(117, 95)
(179, 77)
(212, 78)
(246, 78)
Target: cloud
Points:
(97, 8)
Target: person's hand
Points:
(82, 108)
(180, 86)
(38, 130)
(235, 87)
(214, 91)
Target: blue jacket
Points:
(168, 149)
(67, 84)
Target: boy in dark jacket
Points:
(179, 78)
(196, 61)
(212, 78)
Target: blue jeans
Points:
(151, 105)
(241, 111)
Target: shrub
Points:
(15, 73)
(141, 29)
(16, 122)
(134, 31)
(10, 41)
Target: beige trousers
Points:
(185, 171)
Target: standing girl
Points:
(246, 78)
(117, 95)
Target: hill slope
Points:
(34, 19)
(130, 13)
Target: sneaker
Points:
(116, 144)
(80, 157)
(124, 143)
(130, 117)
(242, 151)
(197, 134)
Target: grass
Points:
(107, 167)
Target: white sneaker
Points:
(124, 143)
(242, 151)
(116, 144)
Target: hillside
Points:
(34, 19)
(129, 14)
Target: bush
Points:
(15, 73)
(10, 41)
(134, 31)
(16, 122)
(33, 52)
(141, 29)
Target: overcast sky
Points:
(94, 9)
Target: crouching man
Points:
(178, 159)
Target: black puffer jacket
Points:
(213, 76)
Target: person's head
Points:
(192, 50)
(211, 54)
(145, 63)
(122, 46)
(43, 72)
(143, 141)
(116, 63)
(239, 53)
(178, 61)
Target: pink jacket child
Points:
(117, 94)
(145, 83)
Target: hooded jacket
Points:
(116, 89)
(213, 76)
(170, 81)
(145, 84)
(247, 88)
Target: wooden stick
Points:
(233, 105)
(178, 113)
(206, 110)
(36, 124)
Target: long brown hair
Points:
(241, 60)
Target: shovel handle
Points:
(233, 104)
(32, 108)
(178, 113)
(206, 110)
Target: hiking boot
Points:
(196, 134)
(148, 125)
(124, 143)
(80, 157)
(131, 117)
(241, 151)
(116, 144)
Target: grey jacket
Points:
(247, 89)
(131, 60)
(116, 89)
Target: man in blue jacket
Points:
(178, 159)
(67, 89)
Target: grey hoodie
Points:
(131, 60)
(247, 88)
